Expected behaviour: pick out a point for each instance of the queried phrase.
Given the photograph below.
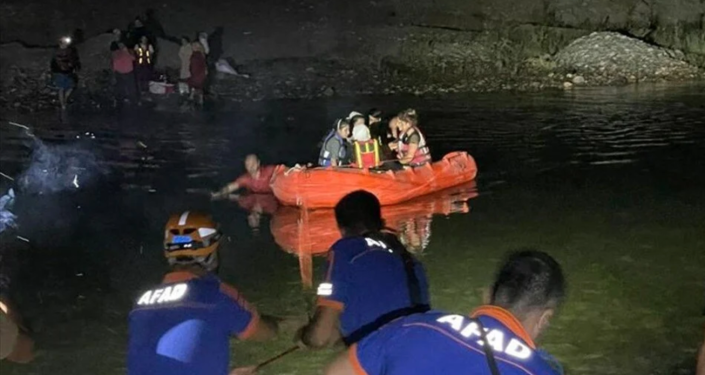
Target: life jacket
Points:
(366, 154)
(143, 55)
(423, 154)
(324, 157)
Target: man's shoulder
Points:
(349, 247)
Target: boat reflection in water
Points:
(308, 233)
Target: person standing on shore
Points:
(123, 67)
(64, 66)
(185, 53)
(198, 68)
(144, 52)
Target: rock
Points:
(329, 91)
(567, 85)
(167, 55)
(617, 55)
(578, 80)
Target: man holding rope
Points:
(371, 278)
(183, 326)
(528, 289)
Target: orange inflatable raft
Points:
(324, 187)
(308, 233)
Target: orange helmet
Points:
(192, 235)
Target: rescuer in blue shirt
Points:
(527, 290)
(371, 279)
(183, 326)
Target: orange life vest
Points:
(366, 154)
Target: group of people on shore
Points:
(133, 56)
(365, 142)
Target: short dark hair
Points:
(375, 112)
(527, 280)
(359, 212)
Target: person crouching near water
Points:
(64, 66)
(198, 69)
(15, 343)
(527, 291)
(701, 361)
(257, 179)
(371, 279)
(334, 152)
(411, 147)
(184, 325)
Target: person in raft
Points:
(257, 179)
(334, 151)
(371, 279)
(528, 289)
(184, 324)
(366, 152)
(411, 147)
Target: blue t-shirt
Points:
(367, 282)
(184, 325)
(440, 343)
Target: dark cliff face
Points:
(672, 23)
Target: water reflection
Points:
(309, 233)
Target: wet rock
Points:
(578, 80)
(328, 91)
(567, 85)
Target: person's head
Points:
(374, 116)
(252, 164)
(361, 133)
(144, 41)
(356, 120)
(117, 33)
(407, 118)
(65, 42)
(185, 40)
(342, 127)
(529, 284)
(121, 46)
(197, 47)
(138, 22)
(192, 239)
(357, 213)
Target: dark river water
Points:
(610, 181)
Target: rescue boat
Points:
(308, 233)
(324, 187)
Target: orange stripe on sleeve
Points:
(506, 318)
(251, 327)
(324, 302)
(355, 361)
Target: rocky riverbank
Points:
(413, 60)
